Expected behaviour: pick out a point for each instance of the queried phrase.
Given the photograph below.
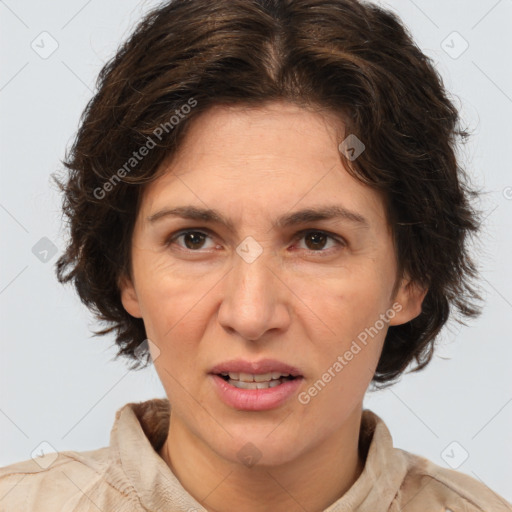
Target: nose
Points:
(255, 300)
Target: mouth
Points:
(255, 380)
(255, 386)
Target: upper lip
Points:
(255, 367)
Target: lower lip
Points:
(255, 399)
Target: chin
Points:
(260, 449)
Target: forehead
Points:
(275, 131)
(261, 161)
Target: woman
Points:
(264, 200)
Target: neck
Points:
(310, 482)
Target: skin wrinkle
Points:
(279, 306)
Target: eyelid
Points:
(334, 236)
(297, 236)
(339, 240)
(175, 235)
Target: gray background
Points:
(59, 385)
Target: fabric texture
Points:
(130, 475)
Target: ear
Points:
(129, 296)
(409, 298)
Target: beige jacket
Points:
(130, 476)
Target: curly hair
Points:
(351, 58)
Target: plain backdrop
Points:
(60, 385)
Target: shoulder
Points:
(66, 481)
(428, 487)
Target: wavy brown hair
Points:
(350, 58)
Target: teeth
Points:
(246, 377)
(249, 377)
(254, 385)
(265, 377)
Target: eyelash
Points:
(298, 236)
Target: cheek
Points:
(175, 319)
(344, 302)
(349, 334)
(171, 305)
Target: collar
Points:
(140, 429)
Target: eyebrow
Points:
(292, 219)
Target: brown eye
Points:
(316, 241)
(192, 240)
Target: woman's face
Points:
(261, 289)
